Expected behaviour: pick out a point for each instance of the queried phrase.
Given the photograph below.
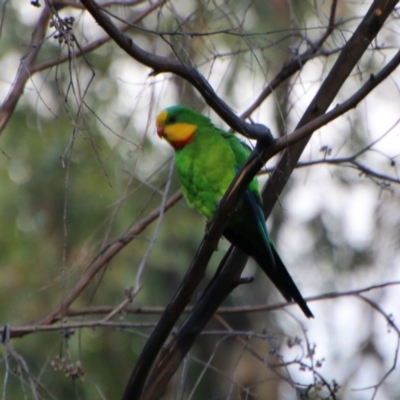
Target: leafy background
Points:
(80, 164)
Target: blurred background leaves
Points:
(80, 164)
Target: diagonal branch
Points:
(96, 43)
(99, 262)
(24, 73)
(347, 60)
(27, 67)
(191, 74)
(295, 65)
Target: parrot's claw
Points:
(248, 279)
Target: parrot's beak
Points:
(160, 130)
(160, 123)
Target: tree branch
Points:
(23, 73)
(161, 64)
(99, 262)
(347, 60)
(22, 330)
(295, 65)
(27, 68)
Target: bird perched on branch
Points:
(207, 160)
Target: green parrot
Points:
(207, 160)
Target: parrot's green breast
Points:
(206, 167)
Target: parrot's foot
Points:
(243, 281)
(246, 280)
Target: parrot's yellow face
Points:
(176, 133)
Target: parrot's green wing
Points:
(251, 197)
(246, 229)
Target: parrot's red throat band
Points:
(181, 143)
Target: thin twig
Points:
(295, 65)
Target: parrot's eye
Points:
(172, 118)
